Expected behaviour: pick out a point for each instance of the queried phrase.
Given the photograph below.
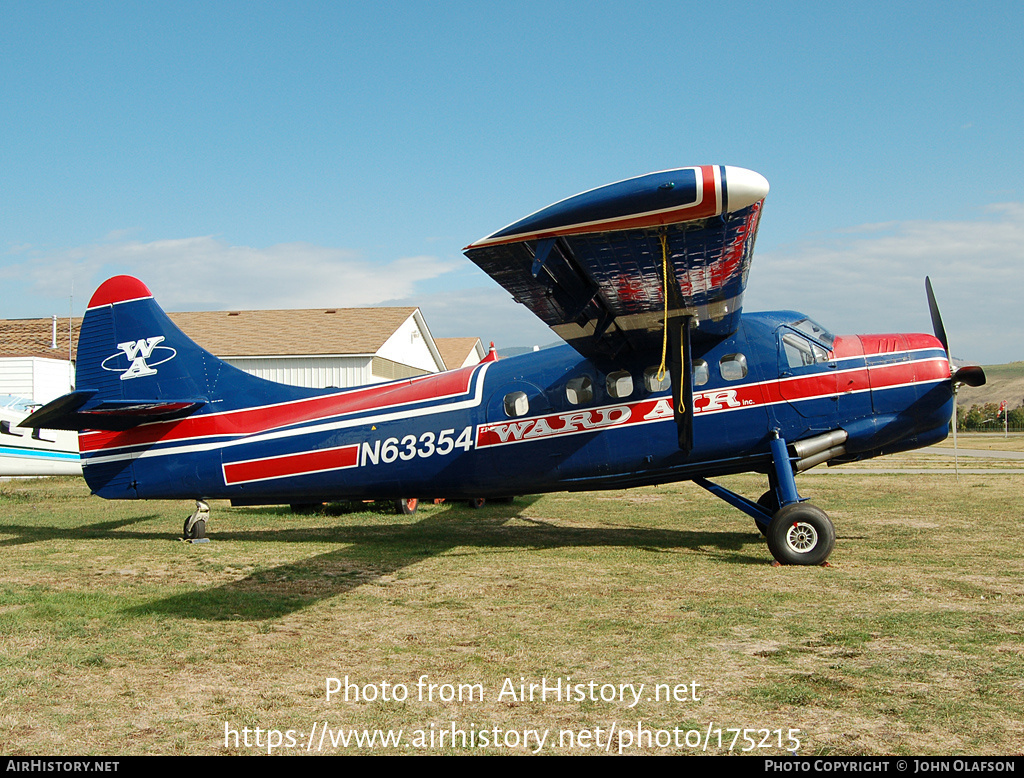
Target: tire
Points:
(770, 503)
(198, 530)
(801, 534)
(477, 502)
(406, 507)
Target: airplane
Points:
(31, 452)
(662, 378)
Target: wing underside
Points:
(597, 268)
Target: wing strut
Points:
(680, 368)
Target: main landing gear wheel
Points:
(406, 507)
(801, 534)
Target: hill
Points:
(1005, 382)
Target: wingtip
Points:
(745, 187)
(119, 289)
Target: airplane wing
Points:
(599, 267)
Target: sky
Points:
(330, 154)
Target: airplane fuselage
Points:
(545, 421)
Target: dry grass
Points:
(116, 638)
(986, 441)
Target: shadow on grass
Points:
(104, 530)
(380, 550)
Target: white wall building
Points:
(36, 378)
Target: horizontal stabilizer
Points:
(83, 411)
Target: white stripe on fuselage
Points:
(311, 428)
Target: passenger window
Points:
(651, 382)
(516, 404)
(619, 384)
(733, 367)
(701, 373)
(579, 390)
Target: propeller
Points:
(971, 375)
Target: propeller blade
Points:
(933, 309)
(971, 375)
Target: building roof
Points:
(292, 332)
(236, 333)
(455, 351)
(33, 337)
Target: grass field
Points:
(118, 638)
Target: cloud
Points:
(870, 278)
(864, 278)
(208, 273)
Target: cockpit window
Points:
(816, 331)
(801, 352)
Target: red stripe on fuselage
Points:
(248, 421)
(291, 464)
(810, 387)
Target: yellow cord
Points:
(664, 291)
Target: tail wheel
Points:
(195, 524)
(477, 502)
(801, 534)
(196, 532)
(406, 507)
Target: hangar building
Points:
(337, 347)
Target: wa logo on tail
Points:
(137, 352)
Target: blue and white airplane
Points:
(31, 452)
(663, 379)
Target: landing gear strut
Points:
(797, 532)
